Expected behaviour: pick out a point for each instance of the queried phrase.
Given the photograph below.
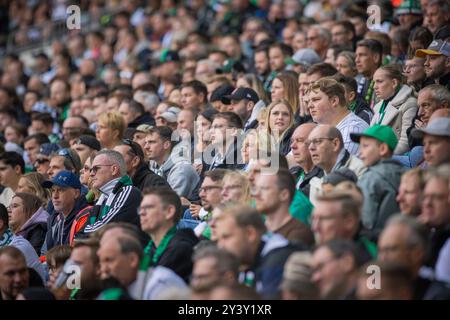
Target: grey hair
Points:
(115, 158)
(418, 234)
(323, 32)
(439, 93)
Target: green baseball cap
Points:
(379, 132)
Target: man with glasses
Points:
(318, 39)
(274, 194)
(137, 168)
(167, 162)
(119, 200)
(328, 153)
(335, 265)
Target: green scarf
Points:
(152, 261)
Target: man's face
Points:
(210, 193)
(14, 276)
(339, 35)
(267, 193)
(102, 171)
(127, 114)
(127, 155)
(427, 105)
(320, 147)
(240, 108)
(56, 165)
(436, 150)
(152, 213)
(314, 41)
(190, 99)
(369, 151)
(205, 273)
(154, 146)
(9, 175)
(299, 147)
(393, 245)
(320, 107)
(70, 126)
(328, 222)
(414, 70)
(409, 195)
(38, 126)
(436, 202)
(58, 92)
(232, 238)
(436, 18)
(64, 198)
(327, 271)
(365, 61)
(262, 64)
(114, 263)
(218, 131)
(82, 256)
(185, 124)
(276, 59)
(303, 84)
(435, 65)
(299, 41)
(139, 138)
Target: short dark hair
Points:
(373, 45)
(167, 197)
(285, 49)
(164, 132)
(40, 138)
(216, 174)
(198, 87)
(340, 248)
(4, 215)
(286, 181)
(45, 117)
(347, 25)
(322, 68)
(348, 82)
(232, 118)
(13, 159)
(137, 107)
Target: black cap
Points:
(209, 113)
(240, 94)
(89, 141)
(220, 92)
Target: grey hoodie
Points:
(379, 185)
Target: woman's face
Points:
(16, 213)
(24, 186)
(384, 86)
(279, 118)
(277, 89)
(343, 67)
(232, 190)
(242, 83)
(104, 134)
(202, 126)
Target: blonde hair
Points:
(34, 181)
(242, 181)
(269, 110)
(290, 86)
(114, 121)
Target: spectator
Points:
(64, 159)
(381, 180)
(319, 39)
(328, 106)
(241, 232)
(397, 105)
(274, 194)
(42, 164)
(86, 146)
(32, 183)
(12, 261)
(159, 213)
(110, 129)
(297, 278)
(134, 114)
(410, 192)
(436, 138)
(194, 95)
(119, 200)
(12, 167)
(437, 15)
(343, 33)
(72, 127)
(67, 202)
(236, 187)
(32, 145)
(176, 169)
(28, 219)
(345, 64)
(280, 125)
(436, 61)
(242, 102)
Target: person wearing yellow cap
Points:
(381, 180)
(437, 61)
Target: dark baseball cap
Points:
(89, 141)
(48, 148)
(65, 179)
(220, 92)
(240, 94)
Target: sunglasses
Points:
(66, 153)
(94, 169)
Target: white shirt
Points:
(351, 124)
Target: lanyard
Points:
(382, 111)
(146, 261)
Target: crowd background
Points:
(138, 150)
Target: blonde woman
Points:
(256, 144)
(32, 183)
(110, 129)
(236, 187)
(285, 86)
(280, 124)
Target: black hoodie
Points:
(178, 254)
(144, 118)
(145, 178)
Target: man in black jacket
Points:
(170, 247)
(137, 168)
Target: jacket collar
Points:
(108, 187)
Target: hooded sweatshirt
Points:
(35, 229)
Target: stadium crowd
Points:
(226, 149)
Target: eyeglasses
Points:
(323, 218)
(134, 147)
(66, 153)
(231, 187)
(94, 169)
(208, 188)
(316, 141)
